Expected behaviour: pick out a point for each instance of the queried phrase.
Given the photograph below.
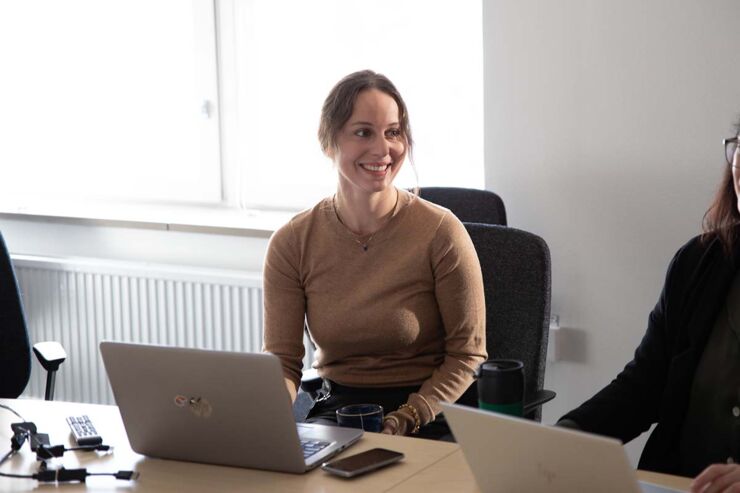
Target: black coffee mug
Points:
(368, 417)
(501, 386)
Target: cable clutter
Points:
(26, 431)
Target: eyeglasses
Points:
(730, 149)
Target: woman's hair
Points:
(340, 103)
(722, 217)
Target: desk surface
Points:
(429, 466)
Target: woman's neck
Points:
(364, 214)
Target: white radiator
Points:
(79, 302)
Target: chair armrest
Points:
(536, 400)
(50, 354)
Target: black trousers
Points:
(332, 396)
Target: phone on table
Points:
(367, 461)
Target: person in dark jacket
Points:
(685, 375)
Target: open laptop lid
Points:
(216, 407)
(511, 454)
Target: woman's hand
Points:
(718, 478)
(398, 423)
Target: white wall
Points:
(604, 122)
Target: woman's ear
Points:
(330, 152)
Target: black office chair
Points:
(15, 348)
(470, 205)
(516, 282)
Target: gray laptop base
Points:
(509, 454)
(215, 407)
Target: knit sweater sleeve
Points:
(284, 302)
(459, 293)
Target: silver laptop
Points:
(216, 407)
(510, 454)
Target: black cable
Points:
(63, 475)
(44, 452)
(11, 453)
(12, 411)
(7, 456)
(90, 448)
(123, 475)
(24, 476)
(22, 431)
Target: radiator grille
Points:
(79, 302)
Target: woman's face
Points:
(370, 148)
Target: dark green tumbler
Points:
(501, 386)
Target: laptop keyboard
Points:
(310, 447)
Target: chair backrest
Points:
(468, 204)
(15, 349)
(516, 279)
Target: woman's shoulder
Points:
(430, 213)
(700, 254)
(697, 248)
(438, 225)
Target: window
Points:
(109, 99)
(203, 102)
(293, 52)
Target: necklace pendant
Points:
(364, 247)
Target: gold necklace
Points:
(364, 244)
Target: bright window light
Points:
(217, 102)
(109, 99)
(296, 51)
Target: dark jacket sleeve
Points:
(631, 403)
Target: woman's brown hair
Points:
(722, 217)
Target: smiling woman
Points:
(365, 131)
(388, 283)
(369, 152)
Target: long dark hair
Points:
(722, 217)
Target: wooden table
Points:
(429, 466)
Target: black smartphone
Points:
(367, 461)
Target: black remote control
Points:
(83, 431)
